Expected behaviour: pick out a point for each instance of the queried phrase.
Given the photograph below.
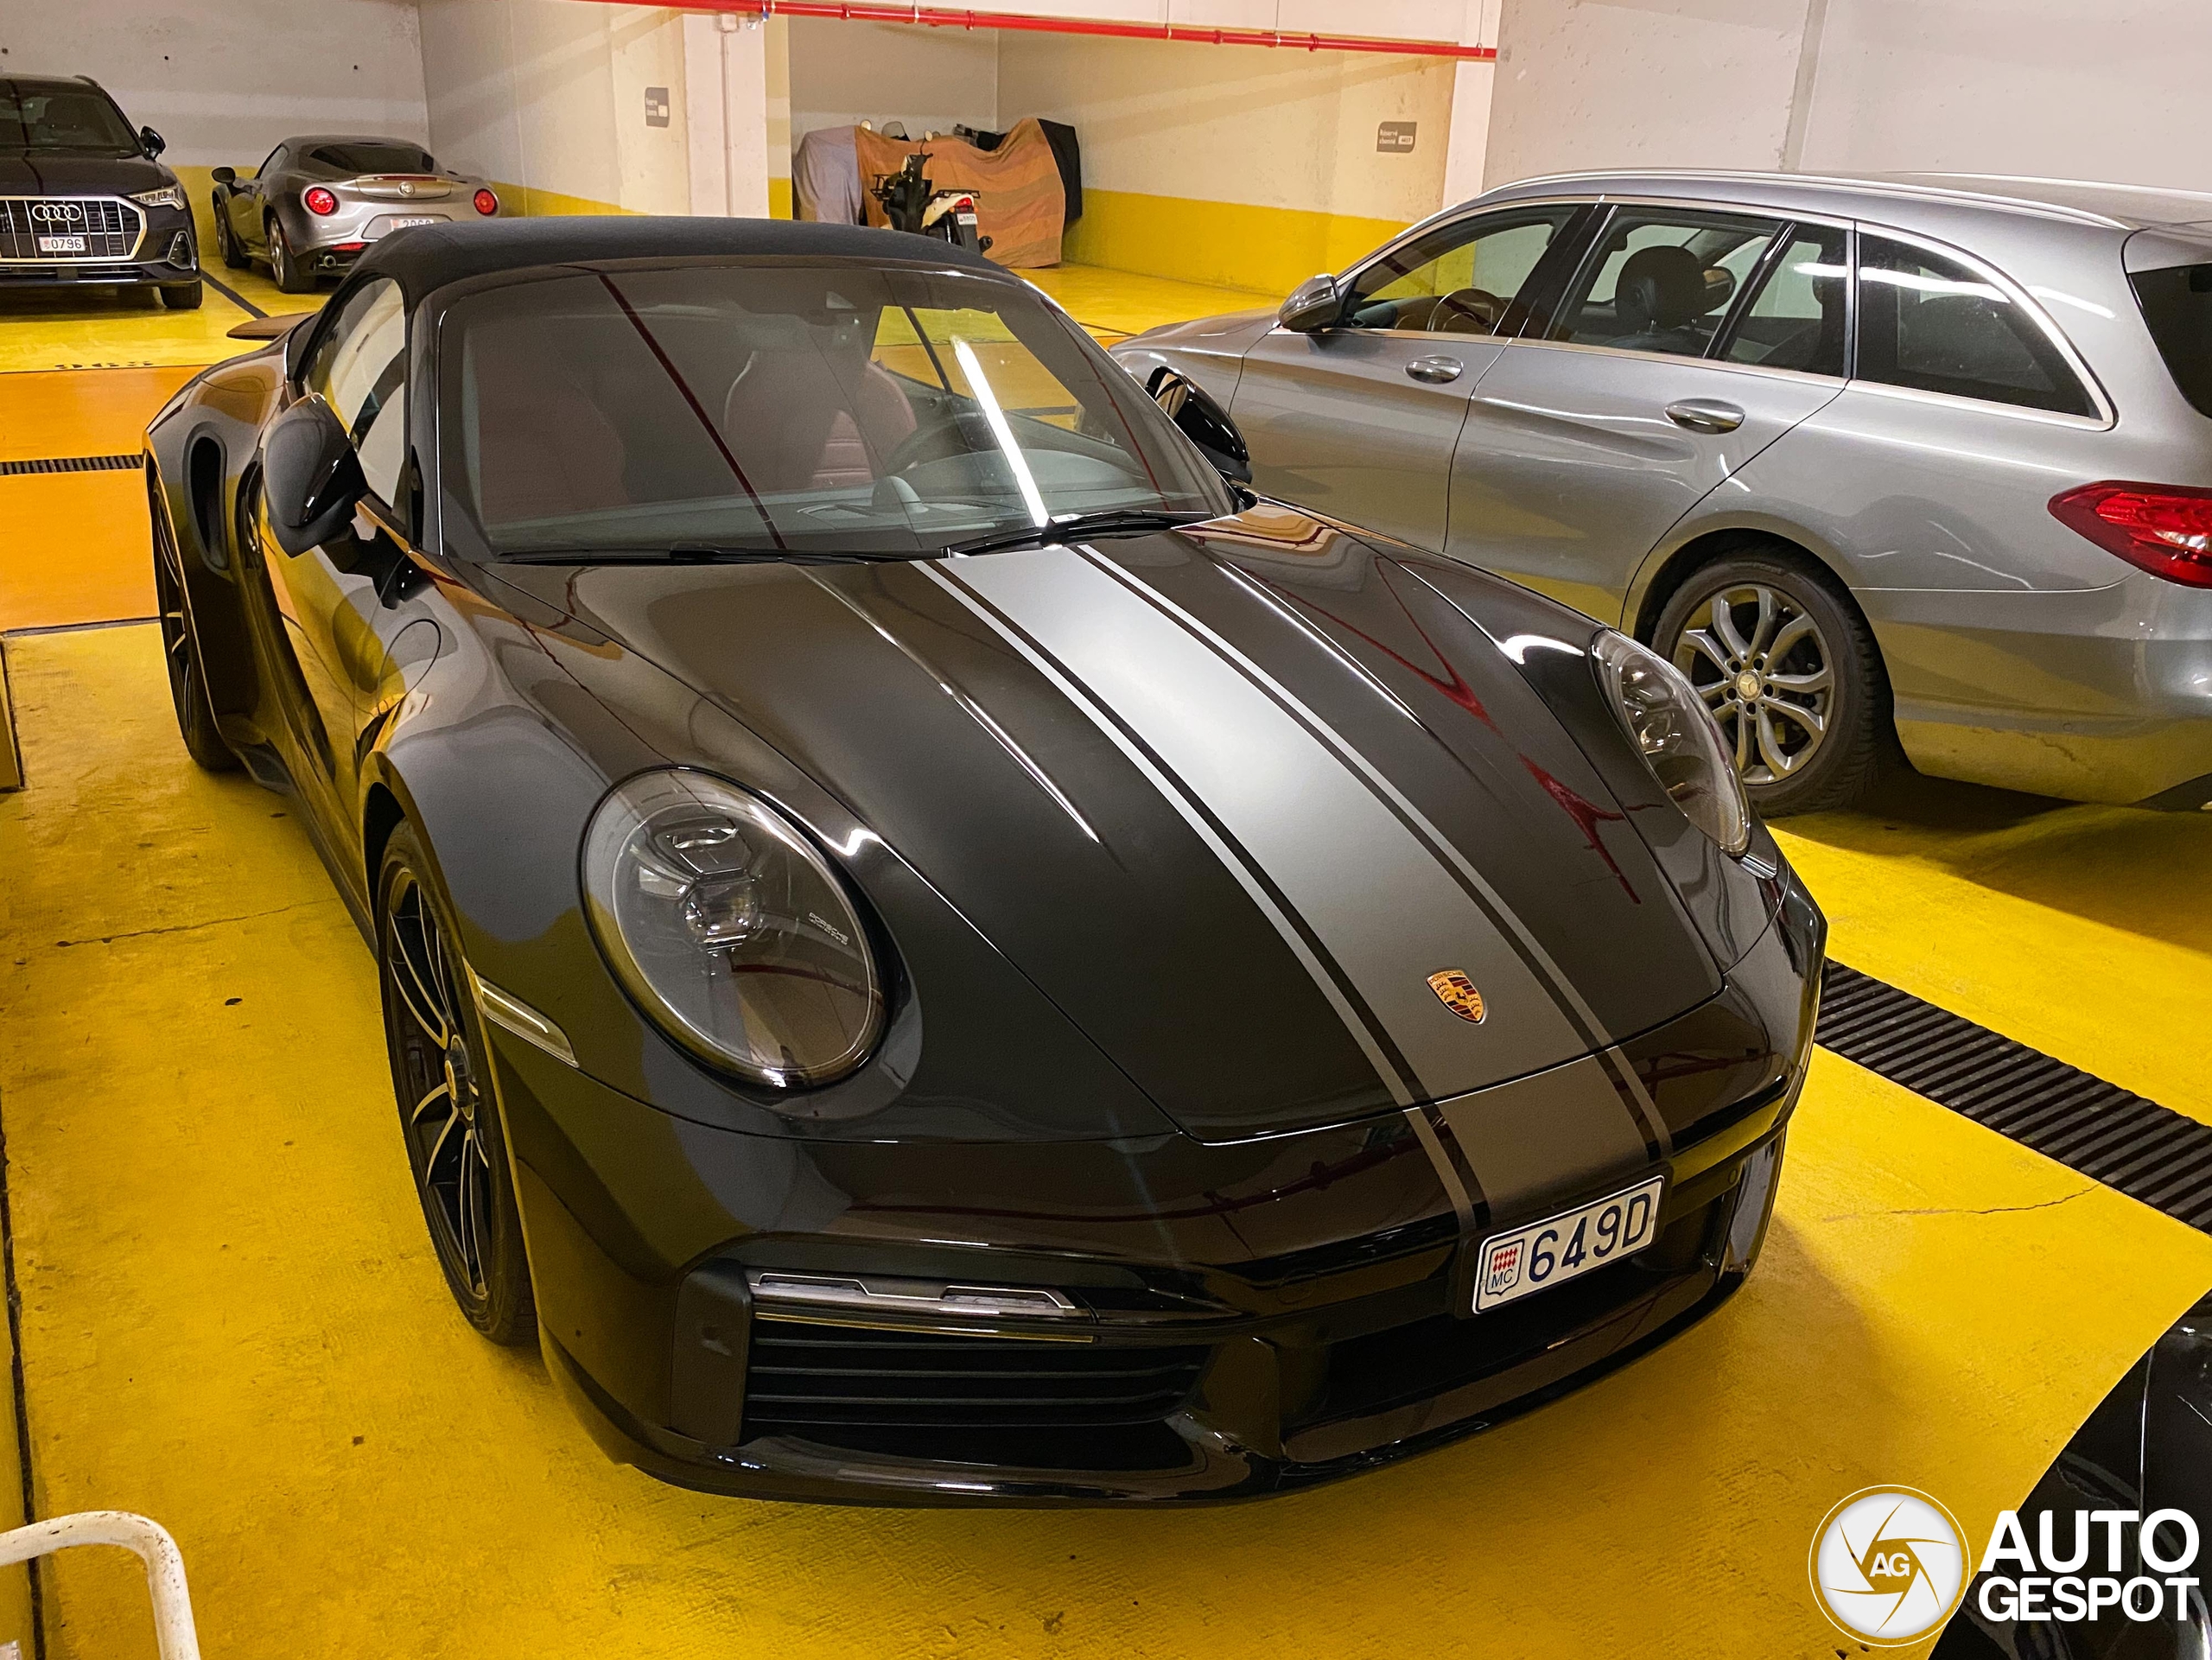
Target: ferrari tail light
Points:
(2165, 529)
(486, 203)
(320, 200)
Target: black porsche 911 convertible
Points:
(934, 948)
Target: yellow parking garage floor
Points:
(2083, 930)
(232, 1321)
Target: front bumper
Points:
(1255, 1317)
(167, 256)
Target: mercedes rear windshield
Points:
(2177, 305)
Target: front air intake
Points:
(1030, 1403)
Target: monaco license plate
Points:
(61, 244)
(415, 219)
(1564, 1247)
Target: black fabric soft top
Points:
(428, 256)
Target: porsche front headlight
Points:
(721, 920)
(1677, 737)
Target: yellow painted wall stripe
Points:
(1227, 244)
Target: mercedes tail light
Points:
(2165, 529)
(486, 203)
(320, 200)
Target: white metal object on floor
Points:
(173, 1628)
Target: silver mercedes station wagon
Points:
(1922, 460)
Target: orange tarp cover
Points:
(1018, 201)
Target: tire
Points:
(234, 258)
(185, 296)
(195, 715)
(1810, 725)
(283, 269)
(448, 1111)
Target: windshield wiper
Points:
(1110, 523)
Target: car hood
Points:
(1280, 827)
(59, 173)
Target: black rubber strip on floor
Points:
(233, 296)
(22, 1415)
(72, 464)
(2148, 1152)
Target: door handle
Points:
(1704, 415)
(1437, 372)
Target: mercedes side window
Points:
(359, 368)
(1937, 325)
(1466, 278)
(1662, 280)
(1799, 317)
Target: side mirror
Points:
(1205, 423)
(224, 176)
(309, 475)
(1317, 302)
(152, 142)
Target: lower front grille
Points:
(111, 228)
(1404, 1365)
(969, 1399)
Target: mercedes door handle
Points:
(1439, 372)
(1704, 415)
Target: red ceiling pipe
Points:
(949, 17)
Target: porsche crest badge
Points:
(1459, 994)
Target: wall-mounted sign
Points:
(656, 109)
(1395, 137)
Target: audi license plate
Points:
(61, 244)
(1562, 1248)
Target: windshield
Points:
(780, 407)
(62, 115)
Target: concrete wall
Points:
(2056, 88)
(2051, 87)
(1250, 166)
(550, 98)
(931, 79)
(223, 83)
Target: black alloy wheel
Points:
(449, 1113)
(195, 715)
(1791, 673)
(283, 267)
(226, 242)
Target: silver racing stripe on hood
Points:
(1369, 896)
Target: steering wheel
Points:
(1463, 307)
(957, 432)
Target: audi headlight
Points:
(720, 919)
(1677, 737)
(169, 196)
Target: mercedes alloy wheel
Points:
(1791, 674)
